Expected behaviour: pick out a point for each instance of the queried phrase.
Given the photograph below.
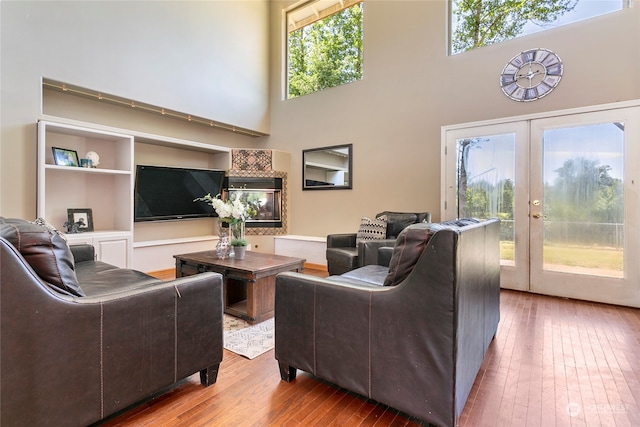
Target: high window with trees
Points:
(324, 45)
(477, 23)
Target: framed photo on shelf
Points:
(80, 220)
(65, 157)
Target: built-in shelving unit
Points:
(108, 189)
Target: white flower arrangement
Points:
(231, 210)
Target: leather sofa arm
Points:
(304, 301)
(368, 251)
(118, 349)
(83, 253)
(344, 240)
(184, 316)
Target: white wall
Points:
(411, 88)
(208, 59)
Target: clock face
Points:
(531, 75)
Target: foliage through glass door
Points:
(583, 207)
(486, 183)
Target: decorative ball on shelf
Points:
(95, 159)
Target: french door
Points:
(566, 191)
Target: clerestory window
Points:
(324, 45)
(477, 23)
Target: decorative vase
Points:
(239, 251)
(236, 228)
(222, 247)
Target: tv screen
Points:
(167, 193)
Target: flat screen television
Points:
(166, 193)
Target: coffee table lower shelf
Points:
(249, 284)
(239, 309)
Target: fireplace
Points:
(268, 193)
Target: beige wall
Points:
(411, 88)
(161, 53)
(207, 59)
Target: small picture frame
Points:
(79, 220)
(65, 157)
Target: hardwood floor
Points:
(554, 362)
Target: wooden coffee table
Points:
(249, 283)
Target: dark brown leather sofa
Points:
(344, 253)
(416, 344)
(73, 352)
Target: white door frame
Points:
(621, 291)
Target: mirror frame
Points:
(331, 150)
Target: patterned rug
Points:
(248, 340)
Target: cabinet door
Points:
(114, 251)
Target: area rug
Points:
(248, 340)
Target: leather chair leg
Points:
(287, 373)
(210, 375)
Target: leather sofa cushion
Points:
(98, 278)
(45, 250)
(409, 246)
(370, 274)
(411, 243)
(398, 221)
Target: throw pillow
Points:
(45, 251)
(372, 229)
(44, 223)
(410, 244)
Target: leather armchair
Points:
(345, 254)
(416, 346)
(70, 360)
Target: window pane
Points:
(486, 182)
(584, 199)
(476, 23)
(325, 53)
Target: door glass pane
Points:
(485, 184)
(583, 199)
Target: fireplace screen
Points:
(268, 195)
(268, 203)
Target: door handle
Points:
(538, 215)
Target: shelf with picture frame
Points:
(106, 190)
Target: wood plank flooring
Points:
(554, 362)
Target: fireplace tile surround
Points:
(247, 167)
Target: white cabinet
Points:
(110, 247)
(107, 189)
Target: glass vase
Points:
(236, 232)
(236, 228)
(222, 247)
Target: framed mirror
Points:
(327, 168)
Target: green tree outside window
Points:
(326, 53)
(479, 23)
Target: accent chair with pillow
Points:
(348, 251)
(411, 335)
(81, 339)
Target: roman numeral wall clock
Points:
(531, 75)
